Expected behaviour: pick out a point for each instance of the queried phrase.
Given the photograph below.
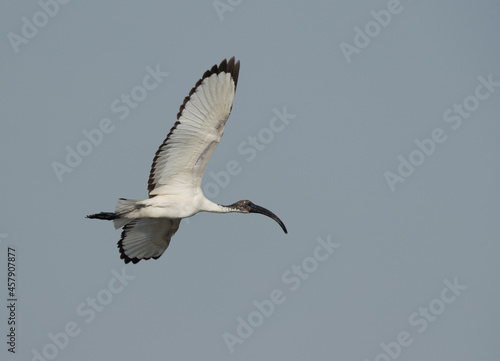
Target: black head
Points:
(246, 206)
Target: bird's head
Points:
(246, 206)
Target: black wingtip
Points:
(123, 255)
(224, 67)
(127, 259)
(234, 69)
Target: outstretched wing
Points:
(146, 238)
(181, 160)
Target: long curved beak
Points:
(258, 209)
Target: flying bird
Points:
(174, 185)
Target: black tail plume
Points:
(108, 216)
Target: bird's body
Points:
(173, 206)
(175, 179)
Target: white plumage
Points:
(183, 157)
(175, 179)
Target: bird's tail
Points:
(109, 216)
(123, 206)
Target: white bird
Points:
(175, 179)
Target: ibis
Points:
(174, 185)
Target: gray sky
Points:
(384, 169)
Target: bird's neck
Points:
(209, 206)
